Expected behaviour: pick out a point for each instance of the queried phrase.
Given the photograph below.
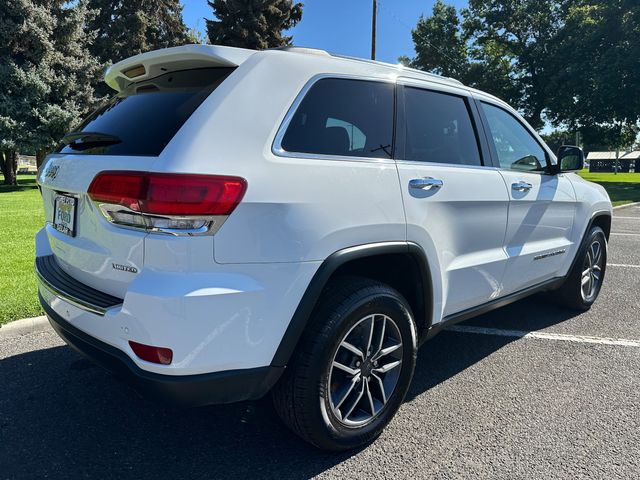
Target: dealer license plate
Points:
(64, 214)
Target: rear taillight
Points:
(172, 203)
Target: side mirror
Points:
(570, 159)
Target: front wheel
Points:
(352, 368)
(583, 284)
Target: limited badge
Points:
(124, 268)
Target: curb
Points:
(635, 204)
(25, 326)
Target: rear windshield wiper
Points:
(86, 140)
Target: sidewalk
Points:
(627, 205)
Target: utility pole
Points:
(373, 29)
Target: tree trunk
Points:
(41, 153)
(3, 163)
(9, 167)
(13, 168)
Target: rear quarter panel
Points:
(295, 209)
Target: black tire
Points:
(302, 397)
(571, 294)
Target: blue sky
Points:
(344, 26)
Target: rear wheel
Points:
(582, 286)
(352, 368)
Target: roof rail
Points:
(410, 69)
(308, 51)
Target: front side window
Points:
(438, 129)
(516, 148)
(343, 117)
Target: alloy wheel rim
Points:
(591, 271)
(365, 370)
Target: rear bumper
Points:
(215, 318)
(71, 290)
(183, 390)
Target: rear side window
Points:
(516, 148)
(438, 129)
(143, 118)
(342, 117)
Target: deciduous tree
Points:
(443, 46)
(525, 33)
(439, 44)
(571, 63)
(596, 81)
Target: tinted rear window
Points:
(438, 129)
(145, 116)
(351, 118)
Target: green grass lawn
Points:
(21, 216)
(622, 188)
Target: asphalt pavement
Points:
(482, 405)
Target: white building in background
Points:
(605, 161)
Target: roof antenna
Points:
(374, 19)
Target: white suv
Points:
(236, 222)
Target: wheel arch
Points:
(379, 261)
(602, 220)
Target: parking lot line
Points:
(628, 218)
(619, 342)
(624, 265)
(626, 234)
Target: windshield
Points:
(142, 119)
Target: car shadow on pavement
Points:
(449, 353)
(62, 417)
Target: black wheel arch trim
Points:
(596, 215)
(322, 276)
(583, 239)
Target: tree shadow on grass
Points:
(25, 183)
(62, 417)
(623, 191)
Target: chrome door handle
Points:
(426, 183)
(521, 186)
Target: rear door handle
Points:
(521, 186)
(426, 183)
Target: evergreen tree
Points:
(124, 28)
(256, 24)
(46, 75)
